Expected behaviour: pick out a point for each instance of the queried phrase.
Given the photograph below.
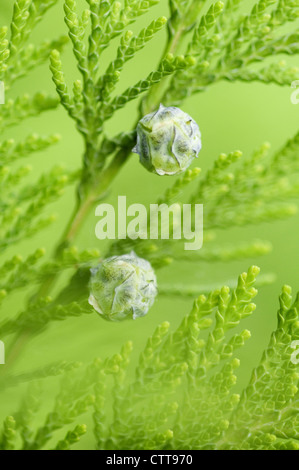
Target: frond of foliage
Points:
(182, 393)
(183, 387)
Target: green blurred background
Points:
(231, 117)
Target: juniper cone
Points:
(123, 287)
(167, 141)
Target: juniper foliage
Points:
(181, 395)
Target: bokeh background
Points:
(231, 117)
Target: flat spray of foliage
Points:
(182, 394)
